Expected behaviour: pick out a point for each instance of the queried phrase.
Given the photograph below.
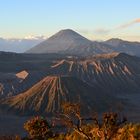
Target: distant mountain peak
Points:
(67, 30)
(115, 40)
(67, 34)
(61, 41)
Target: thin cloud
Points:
(105, 31)
(102, 31)
(99, 31)
(131, 23)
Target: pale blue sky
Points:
(95, 19)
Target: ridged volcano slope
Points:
(48, 95)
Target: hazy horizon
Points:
(95, 20)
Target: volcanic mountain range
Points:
(70, 42)
(67, 67)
